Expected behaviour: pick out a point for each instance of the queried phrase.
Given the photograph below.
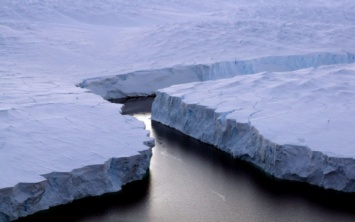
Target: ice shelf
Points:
(54, 135)
(58, 144)
(295, 126)
(146, 82)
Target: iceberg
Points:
(58, 144)
(295, 125)
(50, 151)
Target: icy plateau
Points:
(291, 92)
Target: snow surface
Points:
(296, 125)
(147, 82)
(84, 39)
(59, 143)
(48, 47)
(49, 128)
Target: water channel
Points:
(192, 181)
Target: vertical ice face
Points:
(144, 83)
(63, 187)
(294, 126)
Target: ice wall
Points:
(294, 126)
(144, 83)
(63, 187)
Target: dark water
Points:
(192, 181)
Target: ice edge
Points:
(63, 187)
(146, 82)
(243, 141)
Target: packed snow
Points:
(120, 49)
(296, 125)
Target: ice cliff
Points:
(145, 83)
(295, 126)
(58, 144)
(58, 188)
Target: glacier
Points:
(117, 49)
(294, 126)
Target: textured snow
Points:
(258, 35)
(89, 39)
(122, 48)
(296, 125)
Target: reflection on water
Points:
(192, 181)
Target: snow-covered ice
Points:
(229, 37)
(62, 143)
(296, 125)
(148, 81)
(120, 48)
